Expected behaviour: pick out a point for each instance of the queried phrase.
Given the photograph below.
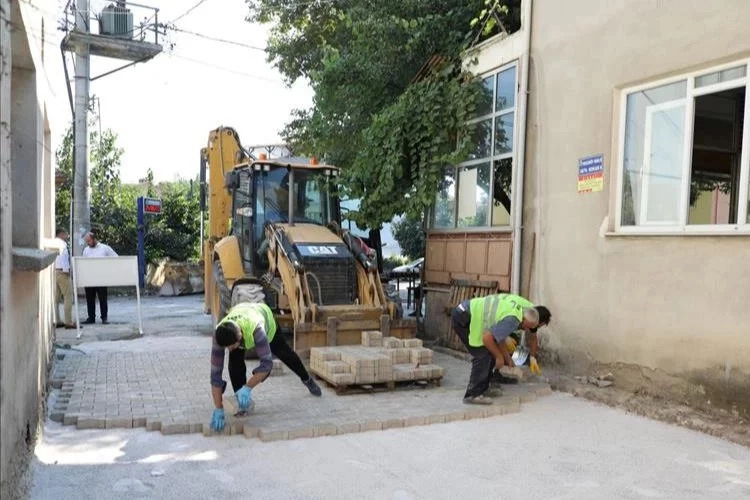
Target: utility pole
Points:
(81, 193)
(117, 38)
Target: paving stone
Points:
(156, 390)
(118, 422)
(393, 423)
(435, 419)
(348, 428)
(302, 432)
(455, 416)
(372, 425)
(57, 416)
(175, 428)
(153, 425)
(268, 435)
(90, 423)
(324, 430)
(414, 421)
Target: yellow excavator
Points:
(275, 235)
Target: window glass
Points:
(445, 205)
(725, 75)
(503, 134)
(506, 89)
(654, 144)
(715, 168)
(481, 133)
(501, 192)
(484, 106)
(473, 195)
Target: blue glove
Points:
(217, 420)
(244, 397)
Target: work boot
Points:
(89, 321)
(313, 387)
(477, 400)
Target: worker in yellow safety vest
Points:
(483, 325)
(249, 326)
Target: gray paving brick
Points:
(348, 428)
(268, 435)
(158, 391)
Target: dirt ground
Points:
(656, 395)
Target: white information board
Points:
(106, 271)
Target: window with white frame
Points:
(477, 193)
(685, 153)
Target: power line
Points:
(222, 68)
(221, 40)
(191, 9)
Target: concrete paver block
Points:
(393, 423)
(455, 416)
(118, 422)
(348, 428)
(324, 429)
(175, 428)
(153, 424)
(269, 435)
(302, 432)
(372, 425)
(90, 423)
(414, 421)
(250, 431)
(435, 419)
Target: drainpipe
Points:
(521, 157)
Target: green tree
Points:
(409, 233)
(109, 202)
(393, 137)
(175, 233)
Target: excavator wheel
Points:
(223, 291)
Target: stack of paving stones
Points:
(169, 392)
(377, 361)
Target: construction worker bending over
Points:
(247, 326)
(483, 324)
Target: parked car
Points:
(410, 268)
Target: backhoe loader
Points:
(275, 235)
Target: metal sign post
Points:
(144, 206)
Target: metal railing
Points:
(147, 28)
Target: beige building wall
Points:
(26, 224)
(680, 303)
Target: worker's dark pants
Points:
(482, 361)
(91, 293)
(279, 348)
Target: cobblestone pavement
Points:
(162, 384)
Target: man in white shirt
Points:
(96, 249)
(63, 282)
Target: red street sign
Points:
(152, 205)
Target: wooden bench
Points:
(468, 289)
(463, 290)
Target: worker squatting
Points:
(485, 325)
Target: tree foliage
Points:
(409, 233)
(393, 137)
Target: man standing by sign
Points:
(63, 283)
(96, 249)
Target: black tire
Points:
(225, 294)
